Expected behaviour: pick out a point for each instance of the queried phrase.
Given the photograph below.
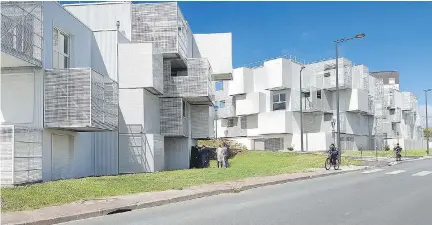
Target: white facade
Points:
(116, 87)
(266, 101)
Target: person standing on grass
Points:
(219, 156)
(224, 156)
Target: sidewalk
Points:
(99, 207)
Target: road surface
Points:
(396, 195)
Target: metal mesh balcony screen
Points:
(22, 30)
(172, 121)
(80, 99)
(21, 150)
(157, 69)
(162, 24)
(195, 84)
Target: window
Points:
(230, 122)
(219, 85)
(61, 47)
(319, 94)
(221, 105)
(184, 108)
(306, 94)
(279, 101)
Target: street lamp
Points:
(301, 110)
(358, 36)
(427, 125)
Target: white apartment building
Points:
(103, 89)
(260, 107)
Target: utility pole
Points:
(428, 133)
(301, 110)
(358, 36)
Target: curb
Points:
(130, 207)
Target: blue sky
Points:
(398, 34)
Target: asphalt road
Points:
(396, 195)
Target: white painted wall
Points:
(54, 15)
(104, 52)
(359, 100)
(139, 107)
(275, 122)
(217, 48)
(250, 103)
(242, 81)
(136, 66)
(103, 16)
(78, 162)
(18, 87)
(141, 153)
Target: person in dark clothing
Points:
(204, 156)
(334, 153)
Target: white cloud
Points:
(422, 113)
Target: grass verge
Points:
(246, 164)
(371, 153)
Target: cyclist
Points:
(333, 153)
(398, 150)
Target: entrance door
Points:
(62, 155)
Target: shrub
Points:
(386, 148)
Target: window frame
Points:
(61, 52)
(279, 101)
(221, 85)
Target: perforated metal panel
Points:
(21, 154)
(162, 24)
(194, 84)
(80, 99)
(22, 30)
(172, 121)
(273, 144)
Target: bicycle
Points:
(328, 162)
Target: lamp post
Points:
(427, 125)
(301, 110)
(216, 119)
(333, 123)
(358, 36)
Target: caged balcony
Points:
(21, 149)
(162, 24)
(21, 34)
(80, 99)
(174, 117)
(193, 84)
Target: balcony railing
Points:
(162, 24)
(80, 99)
(193, 84)
(21, 149)
(173, 123)
(202, 122)
(22, 33)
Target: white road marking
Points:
(395, 172)
(422, 173)
(373, 171)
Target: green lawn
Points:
(245, 164)
(385, 153)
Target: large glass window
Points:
(279, 101)
(61, 48)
